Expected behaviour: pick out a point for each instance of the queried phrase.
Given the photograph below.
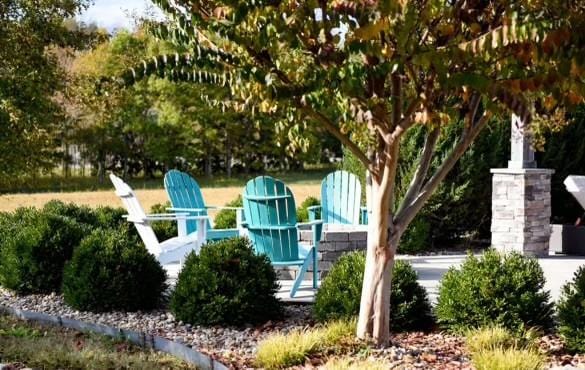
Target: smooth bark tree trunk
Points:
(374, 317)
(228, 157)
(207, 165)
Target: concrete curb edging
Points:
(185, 353)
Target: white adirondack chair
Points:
(169, 251)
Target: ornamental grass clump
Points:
(497, 348)
(340, 293)
(285, 350)
(111, 270)
(494, 289)
(571, 312)
(227, 284)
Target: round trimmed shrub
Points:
(496, 289)
(227, 283)
(163, 229)
(111, 270)
(104, 217)
(111, 218)
(303, 212)
(571, 312)
(226, 218)
(340, 293)
(33, 254)
(82, 214)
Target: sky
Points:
(115, 14)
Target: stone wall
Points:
(521, 210)
(336, 240)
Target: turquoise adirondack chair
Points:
(185, 195)
(271, 220)
(341, 194)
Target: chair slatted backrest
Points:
(341, 195)
(136, 214)
(270, 214)
(184, 192)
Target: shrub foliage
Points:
(571, 312)
(495, 289)
(163, 229)
(226, 218)
(226, 283)
(34, 251)
(340, 293)
(303, 212)
(111, 270)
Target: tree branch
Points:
(404, 217)
(344, 139)
(423, 167)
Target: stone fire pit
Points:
(335, 240)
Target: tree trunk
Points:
(207, 165)
(374, 317)
(101, 171)
(228, 157)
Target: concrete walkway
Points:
(557, 271)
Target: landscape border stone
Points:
(176, 349)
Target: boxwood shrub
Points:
(571, 312)
(226, 218)
(35, 249)
(163, 229)
(111, 270)
(227, 283)
(340, 293)
(303, 211)
(494, 289)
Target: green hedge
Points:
(227, 284)
(571, 312)
(111, 270)
(33, 255)
(340, 293)
(494, 289)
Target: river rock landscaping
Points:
(236, 347)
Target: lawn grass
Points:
(55, 184)
(216, 192)
(284, 350)
(49, 348)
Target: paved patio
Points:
(558, 270)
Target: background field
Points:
(216, 192)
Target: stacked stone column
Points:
(521, 210)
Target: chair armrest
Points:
(186, 209)
(312, 211)
(165, 217)
(317, 228)
(225, 207)
(310, 223)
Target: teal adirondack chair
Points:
(185, 195)
(341, 195)
(271, 220)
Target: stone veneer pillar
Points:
(521, 210)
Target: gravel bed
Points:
(235, 346)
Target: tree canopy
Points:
(368, 71)
(30, 77)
